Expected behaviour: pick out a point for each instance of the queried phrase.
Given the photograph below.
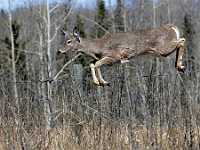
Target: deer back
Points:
(123, 45)
(162, 40)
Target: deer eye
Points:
(69, 41)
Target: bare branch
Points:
(29, 52)
(70, 11)
(45, 20)
(55, 34)
(52, 9)
(68, 63)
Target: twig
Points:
(55, 34)
(86, 18)
(55, 7)
(69, 62)
(159, 75)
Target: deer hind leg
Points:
(101, 80)
(179, 55)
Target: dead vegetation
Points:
(93, 136)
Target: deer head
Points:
(72, 43)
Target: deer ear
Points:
(76, 34)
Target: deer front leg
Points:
(98, 64)
(101, 80)
(179, 55)
(94, 77)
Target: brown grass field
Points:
(104, 136)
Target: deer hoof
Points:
(181, 69)
(104, 83)
(108, 84)
(97, 83)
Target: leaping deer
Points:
(120, 47)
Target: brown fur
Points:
(117, 47)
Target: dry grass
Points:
(92, 136)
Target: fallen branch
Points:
(66, 64)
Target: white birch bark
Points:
(112, 17)
(14, 73)
(43, 88)
(124, 16)
(141, 19)
(154, 14)
(47, 106)
(13, 52)
(168, 11)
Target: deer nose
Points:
(182, 39)
(61, 51)
(58, 52)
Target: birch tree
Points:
(112, 16)
(47, 69)
(48, 106)
(12, 51)
(13, 60)
(154, 13)
(119, 16)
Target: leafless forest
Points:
(148, 105)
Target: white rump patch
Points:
(124, 61)
(177, 32)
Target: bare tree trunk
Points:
(48, 106)
(112, 17)
(13, 53)
(168, 11)
(124, 16)
(43, 78)
(16, 110)
(154, 14)
(141, 13)
(13, 60)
